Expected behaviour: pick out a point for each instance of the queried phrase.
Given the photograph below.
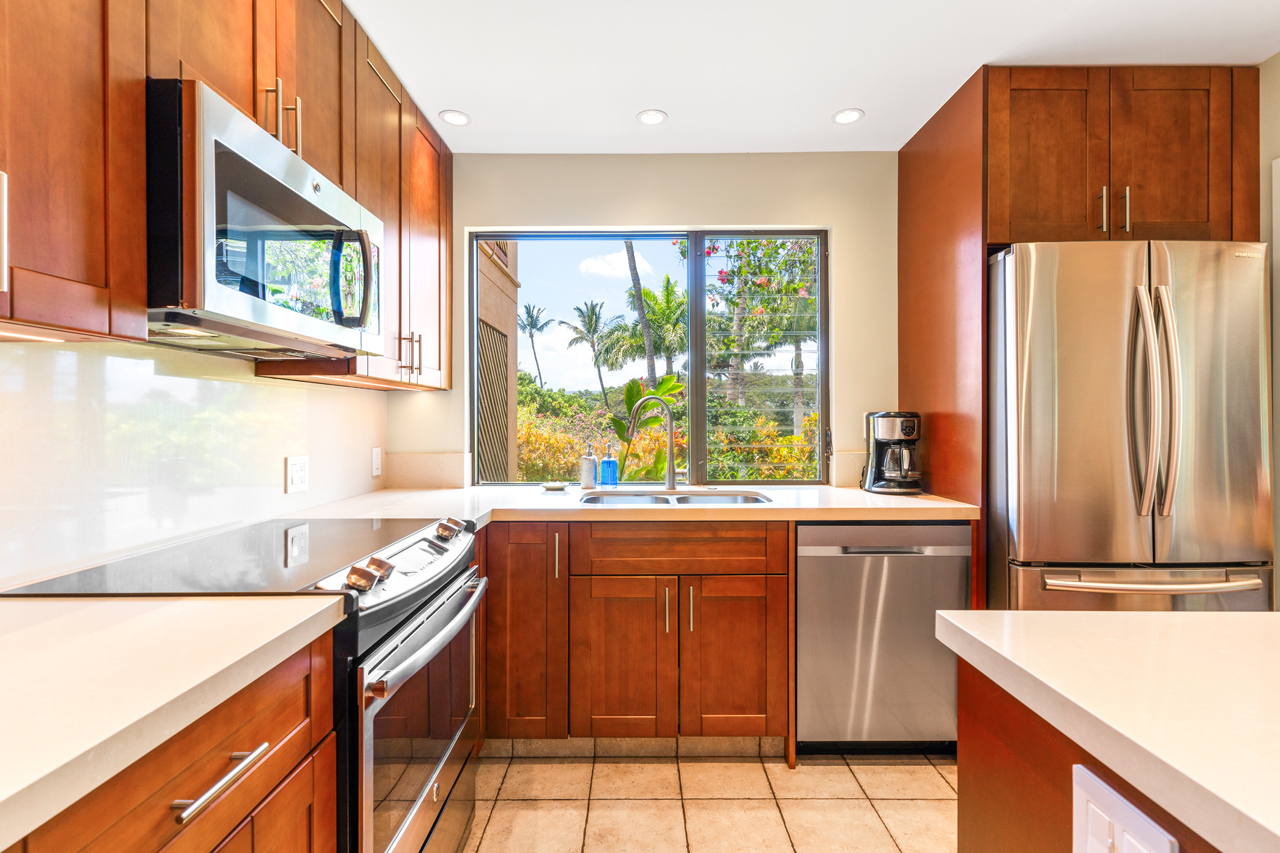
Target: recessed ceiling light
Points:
(455, 117)
(848, 116)
(651, 117)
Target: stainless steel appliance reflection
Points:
(1130, 426)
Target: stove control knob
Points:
(446, 530)
(361, 578)
(382, 567)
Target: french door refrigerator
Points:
(1130, 427)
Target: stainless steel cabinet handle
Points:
(278, 91)
(1165, 298)
(191, 808)
(1148, 496)
(1103, 226)
(690, 608)
(418, 364)
(1065, 585)
(4, 233)
(1127, 221)
(557, 556)
(296, 109)
(666, 596)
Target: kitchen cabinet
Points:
(733, 655)
(623, 656)
(73, 145)
(279, 727)
(680, 547)
(527, 630)
(425, 293)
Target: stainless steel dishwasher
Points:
(868, 667)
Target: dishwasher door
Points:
(868, 666)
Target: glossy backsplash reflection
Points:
(115, 447)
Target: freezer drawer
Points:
(1087, 588)
(868, 666)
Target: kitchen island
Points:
(1175, 710)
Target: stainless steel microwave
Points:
(251, 252)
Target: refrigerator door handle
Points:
(1165, 299)
(1066, 585)
(1147, 498)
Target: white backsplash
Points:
(113, 447)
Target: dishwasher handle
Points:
(881, 551)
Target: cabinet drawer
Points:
(668, 548)
(289, 709)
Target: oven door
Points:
(417, 716)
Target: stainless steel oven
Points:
(417, 726)
(251, 252)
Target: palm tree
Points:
(531, 323)
(668, 313)
(638, 306)
(591, 330)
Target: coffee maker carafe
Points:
(892, 464)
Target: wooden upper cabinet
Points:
(316, 63)
(624, 644)
(1047, 153)
(73, 144)
(527, 621)
(733, 655)
(1171, 153)
(425, 293)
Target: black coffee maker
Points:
(892, 461)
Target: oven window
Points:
(412, 734)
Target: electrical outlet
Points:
(297, 545)
(296, 475)
(377, 462)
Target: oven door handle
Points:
(383, 684)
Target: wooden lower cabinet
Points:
(623, 656)
(733, 655)
(300, 816)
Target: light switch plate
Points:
(377, 462)
(297, 477)
(297, 545)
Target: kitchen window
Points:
(732, 329)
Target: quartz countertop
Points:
(1184, 706)
(93, 684)
(531, 503)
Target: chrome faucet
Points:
(671, 434)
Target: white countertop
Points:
(532, 503)
(90, 685)
(1184, 706)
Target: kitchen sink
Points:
(698, 498)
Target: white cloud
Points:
(614, 266)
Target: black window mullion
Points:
(697, 455)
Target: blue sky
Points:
(559, 274)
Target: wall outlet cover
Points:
(297, 476)
(377, 462)
(297, 545)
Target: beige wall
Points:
(854, 195)
(114, 447)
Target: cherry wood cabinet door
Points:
(425, 294)
(316, 62)
(301, 815)
(679, 547)
(527, 627)
(623, 657)
(733, 655)
(1171, 153)
(1048, 132)
(73, 144)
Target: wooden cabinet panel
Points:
(1246, 156)
(1048, 134)
(527, 621)
(72, 141)
(652, 548)
(1171, 148)
(301, 816)
(315, 59)
(425, 296)
(733, 655)
(624, 639)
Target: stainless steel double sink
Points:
(676, 498)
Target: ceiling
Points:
(569, 76)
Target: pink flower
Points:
(759, 310)
(708, 252)
(723, 276)
(762, 281)
(804, 292)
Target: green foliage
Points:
(545, 401)
(667, 388)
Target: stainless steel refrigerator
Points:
(1130, 427)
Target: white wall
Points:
(854, 195)
(114, 447)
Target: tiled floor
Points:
(854, 804)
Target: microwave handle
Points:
(366, 304)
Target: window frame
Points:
(696, 290)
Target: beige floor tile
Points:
(773, 747)
(489, 773)
(547, 779)
(920, 826)
(635, 826)
(816, 776)
(835, 826)
(735, 826)
(635, 779)
(946, 765)
(496, 748)
(719, 747)
(651, 747)
(385, 776)
(553, 747)
(900, 777)
(723, 778)
(414, 779)
(483, 809)
(535, 826)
